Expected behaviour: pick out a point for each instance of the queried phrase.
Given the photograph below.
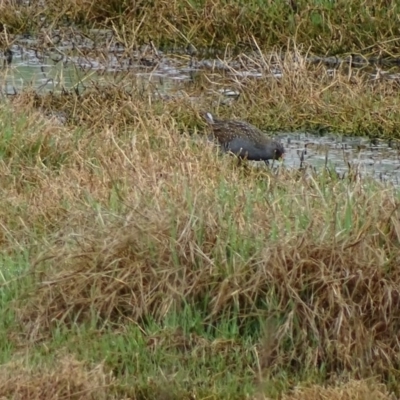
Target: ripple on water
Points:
(375, 160)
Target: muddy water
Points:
(75, 63)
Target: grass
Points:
(140, 263)
(307, 97)
(324, 26)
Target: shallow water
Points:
(73, 61)
(379, 160)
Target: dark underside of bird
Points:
(251, 151)
(244, 140)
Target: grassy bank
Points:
(139, 263)
(305, 97)
(324, 26)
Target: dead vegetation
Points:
(354, 390)
(324, 26)
(138, 221)
(291, 94)
(337, 292)
(128, 216)
(67, 379)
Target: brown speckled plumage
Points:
(244, 139)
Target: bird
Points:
(244, 140)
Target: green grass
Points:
(139, 262)
(14, 283)
(167, 356)
(325, 27)
(181, 355)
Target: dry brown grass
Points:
(151, 217)
(128, 218)
(339, 297)
(67, 379)
(307, 96)
(324, 26)
(353, 390)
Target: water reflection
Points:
(380, 159)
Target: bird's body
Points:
(244, 140)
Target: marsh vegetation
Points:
(138, 262)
